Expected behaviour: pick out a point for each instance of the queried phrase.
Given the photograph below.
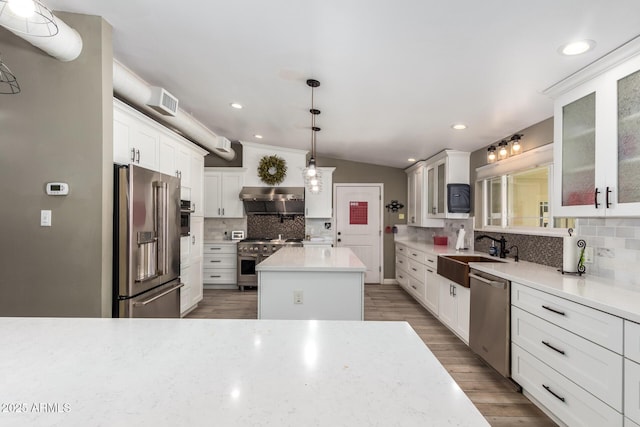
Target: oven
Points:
(252, 252)
(185, 217)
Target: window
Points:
(520, 199)
(517, 194)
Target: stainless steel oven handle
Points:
(495, 284)
(152, 299)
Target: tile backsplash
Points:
(616, 247)
(290, 227)
(545, 250)
(214, 228)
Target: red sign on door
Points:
(358, 212)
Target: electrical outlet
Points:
(588, 255)
(297, 297)
(45, 218)
(400, 216)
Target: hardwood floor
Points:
(494, 396)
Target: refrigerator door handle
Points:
(155, 297)
(162, 224)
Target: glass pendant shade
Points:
(503, 151)
(8, 82)
(311, 174)
(29, 17)
(491, 154)
(516, 148)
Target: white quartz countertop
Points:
(193, 372)
(312, 259)
(220, 242)
(602, 294)
(619, 299)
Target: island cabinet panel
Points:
(219, 265)
(302, 296)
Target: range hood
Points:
(273, 200)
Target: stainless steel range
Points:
(252, 252)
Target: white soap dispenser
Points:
(460, 241)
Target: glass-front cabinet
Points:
(597, 145)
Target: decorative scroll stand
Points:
(581, 268)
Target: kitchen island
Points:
(311, 283)
(192, 372)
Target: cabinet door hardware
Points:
(215, 260)
(606, 199)
(430, 271)
(595, 198)
(218, 211)
(133, 155)
(546, 387)
(414, 269)
(553, 348)
(554, 311)
(414, 287)
(138, 156)
(216, 276)
(193, 239)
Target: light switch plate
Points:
(400, 216)
(45, 218)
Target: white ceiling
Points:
(395, 75)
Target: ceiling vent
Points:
(163, 102)
(223, 144)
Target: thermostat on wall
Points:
(57, 188)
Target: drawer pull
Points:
(552, 347)
(414, 254)
(400, 262)
(431, 261)
(216, 277)
(546, 387)
(430, 271)
(214, 249)
(414, 287)
(215, 260)
(554, 311)
(400, 276)
(414, 269)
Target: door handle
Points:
(138, 156)
(152, 299)
(223, 211)
(133, 155)
(607, 204)
(553, 348)
(494, 283)
(193, 239)
(595, 198)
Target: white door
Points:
(358, 224)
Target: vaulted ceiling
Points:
(395, 75)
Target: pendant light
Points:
(8, 82)
(312, 175)
(29, 17)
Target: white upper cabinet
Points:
(427, 181)
(447, 167)
(222, 192)
(415, 197)
(320, 205)
(597, 140)
(134, 141)
(196, 180)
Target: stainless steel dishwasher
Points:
(490, 321)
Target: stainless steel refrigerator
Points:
(146, 243)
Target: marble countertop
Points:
(193, 372)
(440, 249)
(312, 259)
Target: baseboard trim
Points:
(389, 282)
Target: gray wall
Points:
(533, 137)
(395, 188)
(59, 128)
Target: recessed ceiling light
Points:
(411, 160)
(577, 48)
(459, 126)
(257, 136)
(236, 105)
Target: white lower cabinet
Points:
(454, 307)
(632, 390)
(432, 294)
(191, 269)
(568, 357)
(566, 400)
(219, 267)
(593, 367)
(629, 423)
